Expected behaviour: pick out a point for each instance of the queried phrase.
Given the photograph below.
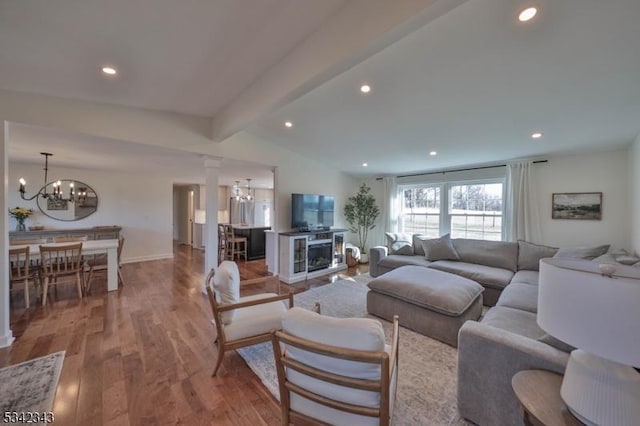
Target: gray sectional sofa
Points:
(493, 264)
(507, 339)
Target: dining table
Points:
(89, 247)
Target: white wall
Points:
(140, 204)
(605, 172)
(634, 191)
(311, 178)
(293, 174)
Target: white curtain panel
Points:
(390, 207)
(522, 219)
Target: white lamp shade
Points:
(200, 216)
(596, 313)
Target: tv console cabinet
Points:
(305, 255)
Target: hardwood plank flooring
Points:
(145, 353)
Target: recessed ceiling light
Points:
(365, 88)
(433, 153)
(288, 124)
(365, 164)
(109, 70)
(527, 14)
(536, 135)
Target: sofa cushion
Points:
(527, 277)
(520, 296)
(556, 343)
(499, 254)
(628, 259)
(254, 320)
(529, 255)
(418, 250)
(226, 286)
(514, 320)
(399, 243)
(485, 275)
(439, 248)
(605, 258)
(582, 252)
(434, 290)
(395, 261)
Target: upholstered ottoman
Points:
(431, 302)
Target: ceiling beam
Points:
(357, 31)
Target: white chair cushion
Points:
(254, 320)
(352, 333)
(226, 286)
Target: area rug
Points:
(426, 393)
(30, 386)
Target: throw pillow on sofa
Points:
(417, 245)
(529, 255)
(589, 253)
(399, 243)
(439, 248)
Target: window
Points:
(421, 210)
(473, 209)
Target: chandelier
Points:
(56, 194)
(237, 191)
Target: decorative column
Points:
(212, 174)
(6, 336)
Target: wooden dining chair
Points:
(100, 264)
(21, 271)
(61, 262)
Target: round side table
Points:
(538, 392)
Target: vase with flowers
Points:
(20, 214)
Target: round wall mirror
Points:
(76, 200)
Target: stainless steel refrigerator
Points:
(241, 211)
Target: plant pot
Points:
(364, 258)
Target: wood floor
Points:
(144, 354)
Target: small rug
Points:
(31, 385)
(427, 374)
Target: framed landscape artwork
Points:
(577, 205)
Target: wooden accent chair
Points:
(335, 370)
(236, 246)
(100, 264)
(61, 261)
(21, 271)
(241, 321)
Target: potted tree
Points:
(361, 213)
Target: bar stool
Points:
(222, 243)
(235, 245)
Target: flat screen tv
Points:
(311, 211)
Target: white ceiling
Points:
(189, 56)
(472, 84)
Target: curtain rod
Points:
(460, 170)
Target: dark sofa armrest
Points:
(488, 358)
(375, 254)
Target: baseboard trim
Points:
(7, 340)
(148, 258)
